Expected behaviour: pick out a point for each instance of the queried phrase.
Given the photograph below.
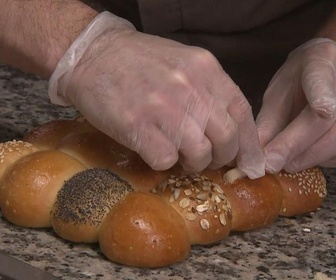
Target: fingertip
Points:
(292, 168)
(162, 161)
(318, 86)
(324, 106)
(160, 154)
(254, 171)
(193, 168)
(196, 162)
(274, 162)
(252, 164)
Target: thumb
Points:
(318, 84)
(276, 108)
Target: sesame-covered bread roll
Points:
(302, 192)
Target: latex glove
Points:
(296, 123)
(166, 101)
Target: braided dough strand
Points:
(67, 175)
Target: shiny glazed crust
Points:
(67, 175)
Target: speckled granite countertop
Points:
(291, 248)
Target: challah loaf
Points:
(69, 176)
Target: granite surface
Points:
(291, 248)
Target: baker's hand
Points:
(167, 101)
(296, 123)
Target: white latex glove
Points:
(167, 101)
(296, 123)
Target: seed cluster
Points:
(310, 181)
(196, 195)
(13, 146)
(88, 196)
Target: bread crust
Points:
(29, 188)
(144, 231)
(140, 217)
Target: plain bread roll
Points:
(142, 230)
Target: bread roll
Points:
(255, 203)
(303, 191)
(28, 189)
(47, 136)
(142, 230)
(83, 202)
(202, 204)
(96, 149)
(11, 151)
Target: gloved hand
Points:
(296, 124)
(162, 99)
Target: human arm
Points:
(35, 34)
(167, 101)
(297, 121)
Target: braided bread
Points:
(67, 175)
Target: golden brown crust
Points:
(28, 189)
(47, 136)
(11, 151)
(255, 203)
(303, 191)
(144, 231)
(96, 149)
(201, 203)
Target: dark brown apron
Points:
(251, 38)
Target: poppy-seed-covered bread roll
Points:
(69, 176)
(84, 201)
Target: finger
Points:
(322, 152)
(195, 148)
(224, 134)
(250, 158)
(301, 133)
(208, 109)
(318, 83)
(155, 148)
(210, 135)
(276, 109)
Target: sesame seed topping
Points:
(311, 181)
